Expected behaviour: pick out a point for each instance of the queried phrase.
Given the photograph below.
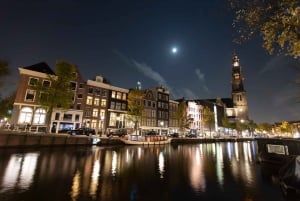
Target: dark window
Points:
(46, 83)
(77, 117)
(98, 92)
(81, 85)
(79, 95)
(33, 81)
(73, 85)
(56, 116)
(90, 90)
(78, 106)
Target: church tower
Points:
(238, 93)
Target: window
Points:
(97, 92)
(124, 96)
(43, 96)
(113, 94)
(79, 95)
(57, 116)
(104, 93)
(89, 100)
(96, 101)
(67, 117)
(30, 94)
(78, 106)
(95, 112)
(102, 113)
(119, 95)
(73, 86)
(46, 83)
(77, 117)
(33, 81)
(118, 106)
(39, 116)
(88, 113)
(103, 102)
(112, 105)
(90, 90)
(81, 85)
(25, 115)
(123, 106)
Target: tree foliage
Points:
(135, 106)
(208, 118)
(6, 105)
(276, 21)
(59, 93)
(181, 116)
(264, 127)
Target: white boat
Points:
(146, 140)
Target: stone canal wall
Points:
(10, 139)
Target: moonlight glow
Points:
(174, 50)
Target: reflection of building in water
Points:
(219, 164)
(197, 176)
(19, 171)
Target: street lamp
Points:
(161, 125)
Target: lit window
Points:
(39, 116)
(95, 112)
(124, 96)
(103, 103)
(113, 94)
(119, 95)
(96, 101)
(25, 115)
(89, 100)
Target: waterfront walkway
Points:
(28, 139)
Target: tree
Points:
(135, 107)
(264, 127)
(208, 118)
(181, 116)
(277, 22)
(4, 70)
(6, 106)
(227, 124)
(286, 127)
(58, 94)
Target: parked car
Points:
(82, 131)
(117, 132)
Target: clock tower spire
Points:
(238, 93)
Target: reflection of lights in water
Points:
(220, 165)
(196, 170)
(236, 149)
(95, 178)
(247, 151)
(75, 186)
(20, 170)
(161, 164)
(229, 150)
(114, 163)
(127, 156)
(139, 153)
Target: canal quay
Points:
(28, 139)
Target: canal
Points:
(187, 172)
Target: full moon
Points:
(174, 50)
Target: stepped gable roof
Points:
(41, 67)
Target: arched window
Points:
(25, 115)
(39, 116)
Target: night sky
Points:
(131, 40)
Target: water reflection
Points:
(209, 171)
(19, 171)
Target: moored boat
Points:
(146, 140)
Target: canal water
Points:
(204, 172)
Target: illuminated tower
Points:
(238, 93)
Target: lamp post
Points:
(101, 120)
(161, 125)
